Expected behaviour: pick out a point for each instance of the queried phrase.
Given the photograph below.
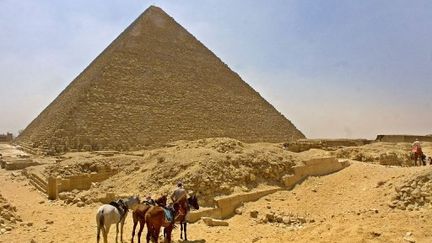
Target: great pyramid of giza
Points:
(155, 83)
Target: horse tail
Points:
(101, 224)
(101, 218)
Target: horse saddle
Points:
(150, 202)
(120, 205)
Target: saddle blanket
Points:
(168, 215)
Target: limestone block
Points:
(228, 204)
(290, 180)
(214, 222)
(194, 216)
(109, 196)
(18, 164)
(52, 188)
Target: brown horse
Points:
(139, 214)
(155, 219)
(181, 218)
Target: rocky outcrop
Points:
(214, 222)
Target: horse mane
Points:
(193, 200)
(161, 201)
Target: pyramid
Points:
(154, 84)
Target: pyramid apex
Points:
(154, 8)
(154, 12)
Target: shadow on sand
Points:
(192, 241)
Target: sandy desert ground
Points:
(365, 202)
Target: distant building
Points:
(8, 137)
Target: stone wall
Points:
(82, 182)
(327, 144)
(6, 138)
(52, 186)
(402, 138)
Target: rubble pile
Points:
(286, 219)
(413, 194)
(8, 216)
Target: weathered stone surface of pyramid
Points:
(154, 84)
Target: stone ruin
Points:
(402, 138)
(154, 84)
(16, 162)
(325, 144)
(6, 138)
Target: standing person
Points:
(417, 152)
(416, 145)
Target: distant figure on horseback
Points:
(417, 153)
(183, 203)
(179, 193)
(179, 199)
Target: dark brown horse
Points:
(181, 218)
(139, 214)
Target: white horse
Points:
(109, 214)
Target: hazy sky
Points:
(334, 68)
